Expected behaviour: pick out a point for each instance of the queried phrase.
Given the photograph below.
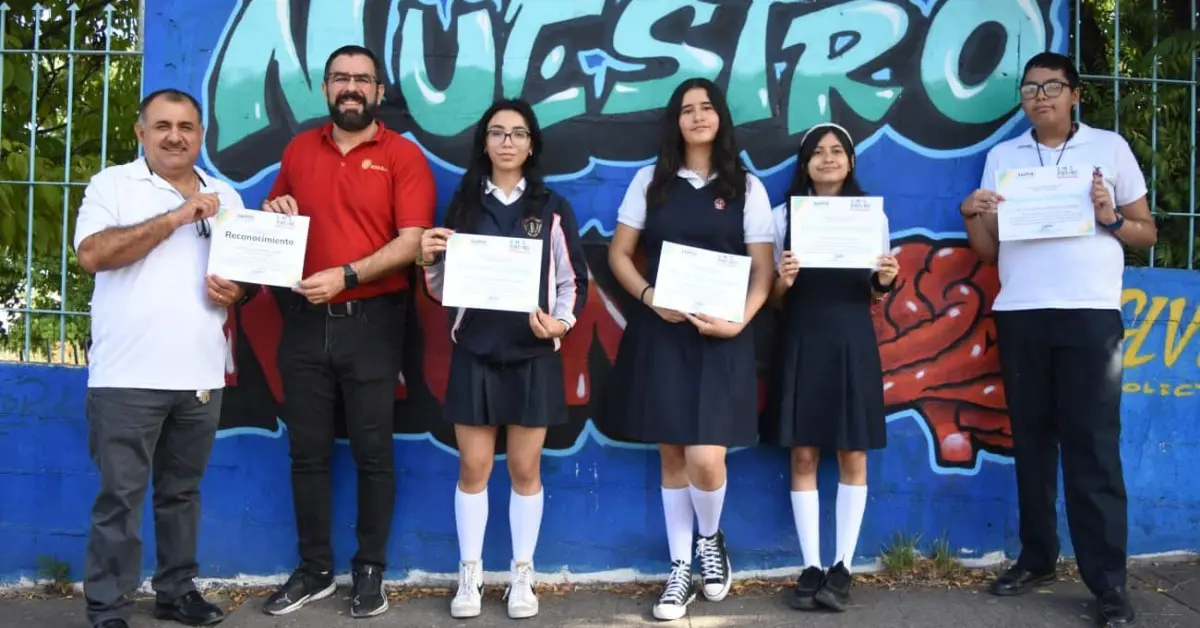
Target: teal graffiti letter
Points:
(450, 111)
(749, 97)
(997, 94)
(527, 18)
(631, 38)
(880, 25)
(264, 33)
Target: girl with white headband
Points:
(826, 388)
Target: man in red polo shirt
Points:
(369, 194)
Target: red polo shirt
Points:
(358, 202)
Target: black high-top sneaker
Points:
(835, 593)
(300, 589)
(803, 597)
(715, 569)
(678, 594)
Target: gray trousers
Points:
(133, 435)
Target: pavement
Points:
(1165, 594)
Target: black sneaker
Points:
(367, 598)
(679, 593)
(1115, 609)
(835, 591)
(300, 589)
(803, 597)
(714, 566)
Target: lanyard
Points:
(1061, 149)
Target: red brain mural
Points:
(936, 341)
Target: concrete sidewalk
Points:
(1166, 595)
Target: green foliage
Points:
(70, 141)
(1137, 109)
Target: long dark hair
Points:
(467, 203)
(731, 174)
(802, 183)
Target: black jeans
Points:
(134, 435)
(1062, 373)
(353, 350)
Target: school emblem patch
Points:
(533, 227)
(719, 203)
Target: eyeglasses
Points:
(341, 78)
(519, 137)
(203, 229)
(1051, 89)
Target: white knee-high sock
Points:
(708, 505)
(525, 519)
(470, 517)
(679, 514)
(851, 504)
(806, 513)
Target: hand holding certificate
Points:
(698, 281)
(838, 231)
(258, 247)
(1049, 202)
(492, 273)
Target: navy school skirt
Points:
(671, 385)
(528, 394)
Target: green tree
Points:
(1137, 108)
(53, 136)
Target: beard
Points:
(351, 120)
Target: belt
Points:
(335, 310)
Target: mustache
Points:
(358, 98)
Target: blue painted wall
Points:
(593, 66)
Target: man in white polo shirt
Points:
(156, 367)
(1059, 332)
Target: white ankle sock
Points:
(679, 514)
(470, 517)
(525, 519)
(708, 505)
(851, 504)
(806, 513)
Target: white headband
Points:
(829, 125)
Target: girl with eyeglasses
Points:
(505, 369)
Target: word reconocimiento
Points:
(249, 237)
(942, 73)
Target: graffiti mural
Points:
(936, 79)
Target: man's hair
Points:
(1053, 61)
(349, 51)
(171, 95)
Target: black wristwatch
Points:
(351, 276)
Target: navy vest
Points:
(694, 218)
(505, 337)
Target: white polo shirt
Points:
(1084, 272)
(153, 325)
(757, 223)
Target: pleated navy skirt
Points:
(672, 385)
(526, 394)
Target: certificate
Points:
(698, 281)
(258, 247)
(838, 231)
(492, 273)
(1048, 202)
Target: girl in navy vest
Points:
(505, 369)
(826, 389)
(688, 382)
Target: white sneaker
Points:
(678, 594)
(468, 601)
(522, 601)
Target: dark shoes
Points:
(1019, 581)
(815, 589)
(190, 609)
(367, 598)
(803, 594)
(113, 623)
(301, 588)
(1115, 609)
